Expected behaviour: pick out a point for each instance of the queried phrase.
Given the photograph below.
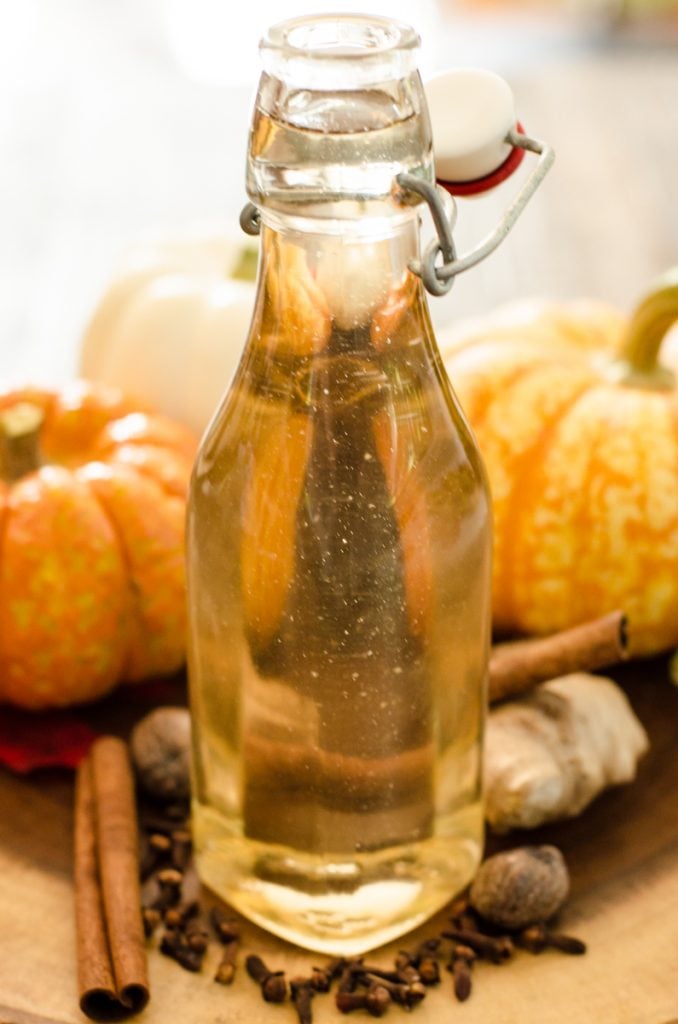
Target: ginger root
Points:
(549, 753)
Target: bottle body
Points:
(339, 596)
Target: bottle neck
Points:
(319, 276)
(340, 111)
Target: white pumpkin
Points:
(172, 325)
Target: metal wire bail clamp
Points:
(439, 278)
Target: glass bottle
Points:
(338, 529)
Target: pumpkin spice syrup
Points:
(338, 535)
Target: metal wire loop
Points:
(250, 219)
(428, 270)
(438, 279)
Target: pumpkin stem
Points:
(653, 317)
(20, 427)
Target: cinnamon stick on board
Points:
(112, 975)
(518, 666)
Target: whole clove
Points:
(461, 952)
(404, 959)
(537, 938)
(386, 975)
(151, 918)
(197, 936)
(321, 978)
(225, 972)
(179, 915)
(496, 949)
(461, 972)
(460, 965)
(181, 846)
(226, 927)
(273, 984)
(408, 975)
(404, 995)
(162, 890)
(302, 993)
(427, 962)
(169, 885)
(350, 974)
(161, 843)
(154, 853)
(429, 971)
(376, 1001)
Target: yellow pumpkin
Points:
(577, 421)
(172, 324)
(92, 503)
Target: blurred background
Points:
(122, 120)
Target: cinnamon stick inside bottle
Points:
(112, 975)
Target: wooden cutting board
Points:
(622, 853)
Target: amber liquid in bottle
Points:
(338, 532)
(339, 580)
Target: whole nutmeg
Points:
(160, 745)
(521, 887)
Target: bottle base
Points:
(340, 906)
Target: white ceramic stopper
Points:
(471, 112)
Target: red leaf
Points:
(30, 740)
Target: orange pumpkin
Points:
(92, 499)
(578, 424)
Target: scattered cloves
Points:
(169, 879)
(174, 944)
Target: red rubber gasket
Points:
(488, 181)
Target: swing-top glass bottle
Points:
(338, 529)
